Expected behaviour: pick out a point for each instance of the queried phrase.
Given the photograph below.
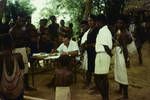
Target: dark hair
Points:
(70, 25)
(44, 20)
(124, 18)
(52, 17)
(102, 18)
(62, 22)
(93, 17)
(83, 22)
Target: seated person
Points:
(67, 49)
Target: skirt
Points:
(120, 70)
(102, 63)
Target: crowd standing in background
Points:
(96, 41)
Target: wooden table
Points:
(45, 57)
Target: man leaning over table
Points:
(69, 51)
(68, 47)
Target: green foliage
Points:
(98, 7)
(111, 8)
(73, 8)
(13, 9)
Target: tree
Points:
(75, 9)
(72, 8)
(13, 9)
(113, 8)
(88, 8)
(2, 8)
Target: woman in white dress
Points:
(121, 53)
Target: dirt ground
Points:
(139, 83)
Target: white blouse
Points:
(73, 46)
(84, 37)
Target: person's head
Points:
(28, 19)
(121, 22)
(92, 20)
(101, 20)
(62, 22)
(21, 20)
(84, 26)
(43, 22)
(70, 25)
(65, 38)
(53, 18)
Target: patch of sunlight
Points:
(39, 5)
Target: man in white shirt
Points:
(103, 48)
(68, 48)
(69, 51)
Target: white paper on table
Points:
(53, 57)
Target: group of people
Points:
(97, 40)
(96, 36)
(18, 41)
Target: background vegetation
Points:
(77, 10)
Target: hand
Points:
(53, 50)
(64, 53)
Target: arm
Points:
(73, 49)
(72, 53)
(123, 42)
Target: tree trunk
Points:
(88, 8)
(2, 8)
(113, 8)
